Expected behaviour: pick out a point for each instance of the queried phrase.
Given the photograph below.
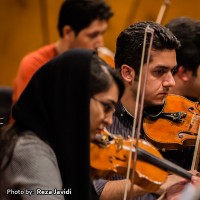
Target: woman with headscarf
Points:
(47, 150)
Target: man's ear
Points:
(67, 31)
(183, 74)
(128, 73)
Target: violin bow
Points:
(138, 113)
(196, 155)
(141, 103)
(162, 11)
(195, 160)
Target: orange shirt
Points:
(29, 65)
(34, 60)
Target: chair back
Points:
(5, 103)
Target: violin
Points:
(107, 55)
(176, 126)
(108, 157)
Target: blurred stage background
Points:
(28, 24)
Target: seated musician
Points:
(187, 77)
(45, 154)
(87, 32)
(159, 82)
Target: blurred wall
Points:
(25, 26)
(28, 24)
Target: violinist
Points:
(67, 101)
(87, 32)
(187, 77)
(159, 82)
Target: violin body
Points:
(105, 161)
(107, 55)
(177, 126)
(150, 170)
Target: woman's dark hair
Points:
(98, 77)
(102, 76)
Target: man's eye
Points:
(159, 72)
(174, 70)
(93, 35)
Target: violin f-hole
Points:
(112, 158)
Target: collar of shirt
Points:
(121, 110)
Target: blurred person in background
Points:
(81, 24)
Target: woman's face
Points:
(102, 106)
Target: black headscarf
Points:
(55, 105)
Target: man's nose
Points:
(169, 80)
(99, 41)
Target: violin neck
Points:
(163, 164)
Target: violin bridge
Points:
(119, 142)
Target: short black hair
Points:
(187, 30)
(130, 43)
(80, 13)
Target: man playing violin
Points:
(187, 77)
(160, 80)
